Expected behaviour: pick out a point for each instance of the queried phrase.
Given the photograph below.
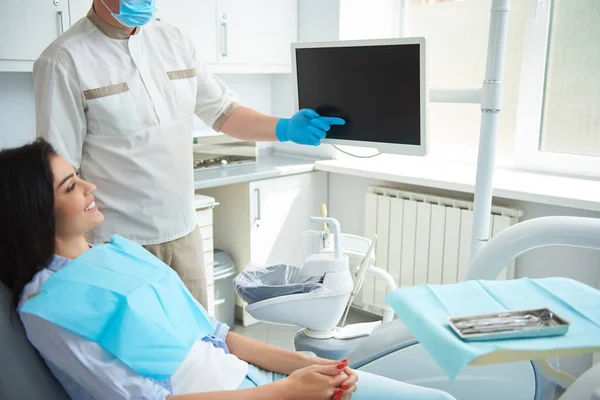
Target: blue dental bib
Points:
(129, 302)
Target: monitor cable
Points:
(356, 155)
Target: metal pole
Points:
(491, 103)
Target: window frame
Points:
(527, 153)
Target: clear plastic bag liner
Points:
(258, 282)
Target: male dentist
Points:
(116, 95)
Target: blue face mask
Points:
(134, 13)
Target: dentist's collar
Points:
(109, 30)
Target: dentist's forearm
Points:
(272, 391)
(266, 356)
(247, 124)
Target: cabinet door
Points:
(196, 18)
(280, 209)
(257, 31)
(28, 27)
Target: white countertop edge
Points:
(254, 172)
(575, 193)
(559, 191)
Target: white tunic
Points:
(120, 109)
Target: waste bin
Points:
(224, 272)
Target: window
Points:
(559, 105)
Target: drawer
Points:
(204, 217)
(206, 232)
(208, 245)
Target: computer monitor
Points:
(378, 86)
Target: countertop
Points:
(577, 193)
(580, 193)
(266, 167)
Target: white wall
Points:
(17, 109)
(357, 17)
(252, 90)
(318, 20)
(346, 203)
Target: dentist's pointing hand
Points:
(305, 127)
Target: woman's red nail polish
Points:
(345, 361)
(338, 392)
(345, 386)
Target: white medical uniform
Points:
(120, 109)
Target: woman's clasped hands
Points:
(329, 380)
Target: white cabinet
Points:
(262, 221)
(251, 36)
(196, 18)
(28, 27)
(279, 212)
(257, 31)
(230, 36)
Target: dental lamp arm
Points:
(532, 234)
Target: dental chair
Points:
(23, 373)
(390, 350)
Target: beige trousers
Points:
(186, 256)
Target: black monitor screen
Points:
(376, 89)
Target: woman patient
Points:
(135, 346)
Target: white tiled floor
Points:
(283, 336)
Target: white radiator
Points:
(422, 239)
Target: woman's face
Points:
(75, 210)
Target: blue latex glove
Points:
(305, 127)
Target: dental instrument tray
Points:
(509, 325)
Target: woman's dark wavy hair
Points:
(27, 229)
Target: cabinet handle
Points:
(224, 50)
(61, 18)
(257, 218)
